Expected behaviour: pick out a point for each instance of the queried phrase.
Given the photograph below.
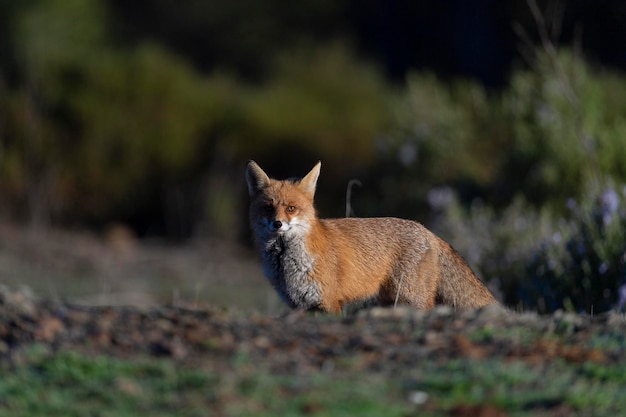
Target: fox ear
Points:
(309, 182)
(257, 178)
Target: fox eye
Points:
(290, 209)
(268, 208)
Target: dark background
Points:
(475, 39)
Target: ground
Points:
(488, 362)
(61, 355)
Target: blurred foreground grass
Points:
(70, 384)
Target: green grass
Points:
(69, 384)
(72, 384)
(523, 389)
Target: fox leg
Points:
(418, 287)
(333, 307)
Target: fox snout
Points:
(275, 225)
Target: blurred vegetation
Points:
(583, 265)
(94, 131)
(516, 163)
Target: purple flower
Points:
(621, 297)
(610, 204)
(440, 198)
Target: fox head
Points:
(280, 207)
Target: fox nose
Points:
(276, 224)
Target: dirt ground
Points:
(299, 342)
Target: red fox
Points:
(328, 264)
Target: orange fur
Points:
(327, 264)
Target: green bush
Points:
(557, 126)
(542, 261)
(582, 267)
(498, 245)
(94, 132)
(568, 126)
(322, 101)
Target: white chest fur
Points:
(288, 266)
